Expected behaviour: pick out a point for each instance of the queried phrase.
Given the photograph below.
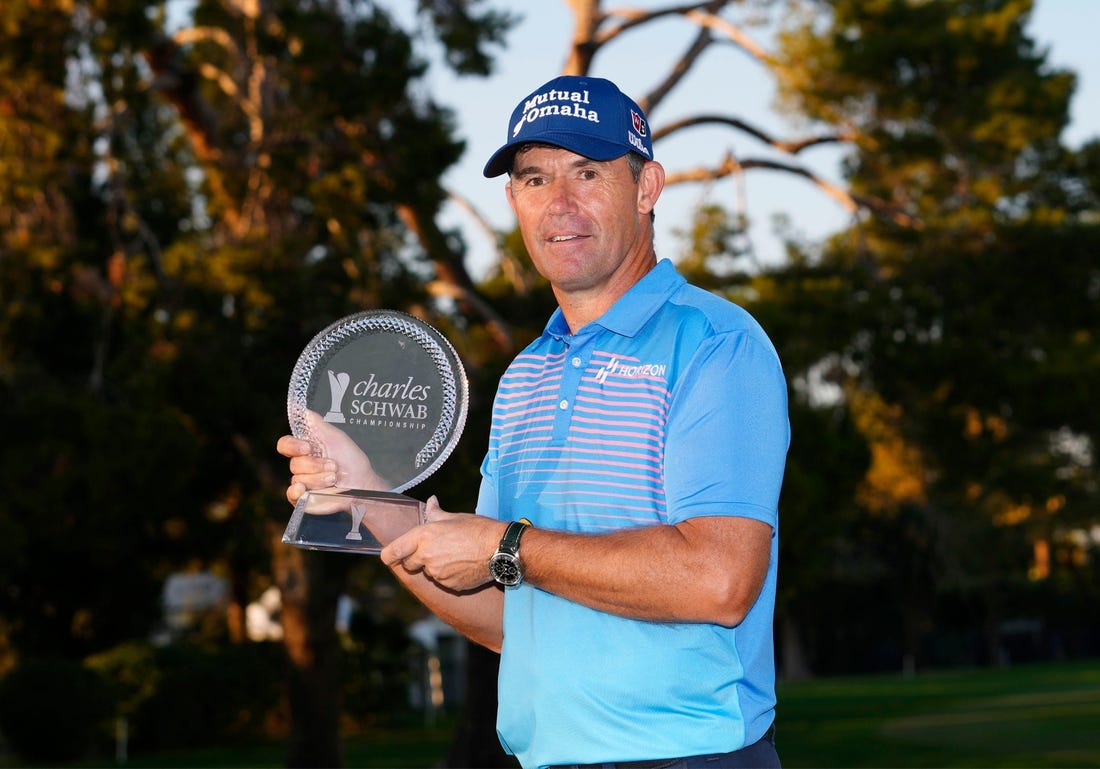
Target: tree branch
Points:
(451, 272)
(513, 271)
(792, 147)
(633, 17)
(851, 203)
(713, 21)
(180, 85)
(214, 35)
(586, 21)
(678, 72)
(588, 18)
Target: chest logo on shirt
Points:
(617, 368)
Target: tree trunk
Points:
(311, 583)
(793, 663)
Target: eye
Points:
(534, 181)
(588, 174)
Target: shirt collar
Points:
(634, 308)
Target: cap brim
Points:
(501, 161)
(596, 149)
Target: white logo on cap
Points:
(539, 106)
(637, 143)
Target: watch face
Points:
(505, 569)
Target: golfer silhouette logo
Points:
(358, 511)
(338, 385)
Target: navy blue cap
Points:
(586, 115)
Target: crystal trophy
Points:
(384, 395)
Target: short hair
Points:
(634, 160)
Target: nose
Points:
(562, 198)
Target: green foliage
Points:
(87, 506)
(54, 710)
(172, 237)
(463, 32)
(182, 210)
(949, 98)
(133, 671)
(206, 697)
(962, 346)
(714, 252)
(192, 696)
(216, 694)
(380, 666)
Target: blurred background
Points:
(904, 192)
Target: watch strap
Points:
(509, 543)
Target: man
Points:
(628, 501)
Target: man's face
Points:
(584, 222)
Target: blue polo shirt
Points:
(672, 405)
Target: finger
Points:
(397, 551)
(323, 432)
(289, 446)
(311, 466)
(294, 492)
(313, 472)
(432, 510)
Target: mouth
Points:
(563, 238)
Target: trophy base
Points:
(351, 520)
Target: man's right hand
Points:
(341, 462)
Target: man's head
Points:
(586, 115)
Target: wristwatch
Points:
(505, 565)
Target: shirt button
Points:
(576, 362)
(564, 404)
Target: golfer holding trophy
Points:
(623, 557)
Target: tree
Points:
(187, 201)
(963, 328)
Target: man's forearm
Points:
(477, 614)
(702, 570)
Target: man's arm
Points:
(432, 560)
(477, 613)
(700, 570)
(709, 566)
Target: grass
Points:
(1033, 716)
(389, 748)
(1024, 717)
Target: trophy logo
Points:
(337, 385)
(358, 512)
(385, 396)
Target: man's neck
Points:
(579, 308)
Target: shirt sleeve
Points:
(728, 432)
(487, 503)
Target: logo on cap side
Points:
(540, 106)
(638, 121)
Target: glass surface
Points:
(389, 381)
(386, 396)
(351, 520)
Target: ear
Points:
(508, 194)
(650, 184)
